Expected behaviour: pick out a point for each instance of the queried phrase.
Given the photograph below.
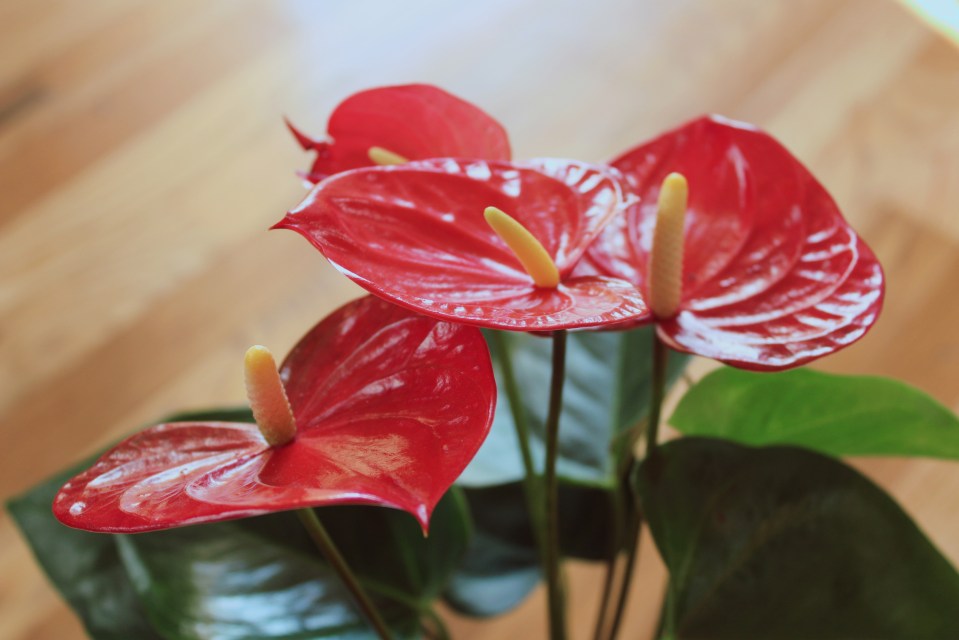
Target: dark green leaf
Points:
(229, 580)
(387, 549)
(839, 415)
(606, 391)
(784, 543)
(226, 414)
(252, 578)
(262, 578)
(502, 565)
(85, 567)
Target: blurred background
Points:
(143, 157)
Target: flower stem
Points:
(634, 526)
(326, 546)
(612, 564)
(554, 578)
(439, 630)
(515, 402)
(660, 360)
(531, 481)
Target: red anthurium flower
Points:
(385, 407)
(417, 235)
(400, 123)
(772, 276)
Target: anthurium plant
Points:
(493, 408)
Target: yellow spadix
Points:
(666, 258)
(381, 156)
(530, 251)
(268, 400)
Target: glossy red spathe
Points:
(416, 235)
(773, 276)
(416, 121)
(390, 407)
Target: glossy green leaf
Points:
(606, 391)
(225, 414)
(785, 543)
(386, 547)
(502, 566)
(85, 567)
(235, 580)
(262, 578)
(257, 577)
(835, 414)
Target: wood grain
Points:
(143, 157)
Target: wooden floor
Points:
(143, 157)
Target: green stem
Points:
(515, 401)
(634, 528)
(609, 579)
(554, 579)
(661, 623)
(632, 551)
(440, 632)
(534, 503)
(326, 546)
(660, 360)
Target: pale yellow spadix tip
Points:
(381, 156)
(530, 251)
(268, 400)
(666, 258)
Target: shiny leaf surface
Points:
(607, 391)
(390, 407)
(501, 566)
(834, 414)
(785, 543)
(773, 276)
(416, 121)
(388, 551)
(262, 577)
(404, 570)
(415, 234)
(223, 580)
(85, 567)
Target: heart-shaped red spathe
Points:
(773, 276)
(390, 406)
(415, 234)
(416, 121)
